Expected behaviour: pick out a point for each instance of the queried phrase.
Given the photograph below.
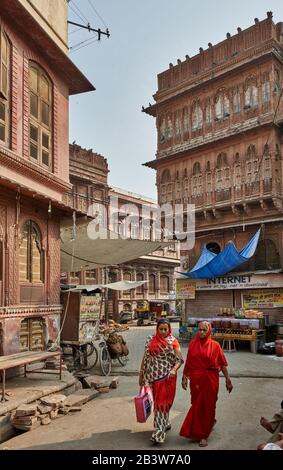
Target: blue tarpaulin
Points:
(211, 265)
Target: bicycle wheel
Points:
(123, 360)
(90, 356)
(104, 360)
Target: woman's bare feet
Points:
(266, 424)
(203, 443)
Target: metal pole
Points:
(106, 297)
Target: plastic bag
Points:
(143, 404)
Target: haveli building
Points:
(89, 176)
(219, 117)
(37, 78)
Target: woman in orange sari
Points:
(205, 359)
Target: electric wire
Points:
(99, 16)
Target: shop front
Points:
(246, 306)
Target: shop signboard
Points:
(263, 298)
(241, 281)
(185, 289)
(90, 307)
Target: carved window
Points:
(186, 120)
(252, 170)
(186, 189)
(140, 289)
(90, 276)
(251, 95)
(166, 186)
(152, 284)
(277, 82)
(164, 284)
(265, 90)
(222, 106)
(169, 128)
(4, 88)
(197, 187)
(236, 102)
(31, 257)
(40, 122)
(177, 126)
(208, 114)
(266, 163)
(162, 131)
(197, 118)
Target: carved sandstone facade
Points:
(219, 119)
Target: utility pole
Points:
(88, 27)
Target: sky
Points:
(145, 36)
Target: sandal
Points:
(203, 443)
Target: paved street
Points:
(108, 422)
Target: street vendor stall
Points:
(230, 325)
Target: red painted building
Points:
(37, 78)
(219, 117)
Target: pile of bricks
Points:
(42, 412)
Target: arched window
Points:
(222, 106)
(197, 180)
(162, 131)
(166, 186)
(266, 163)
(251, 165)
(31, 254)
(164, 284)
(166, 176)
(40, 125)
(267, 256)
(265, 88)
(4, 87)
(236, 101)
(177, 125)
(196, 168)
(197, 118)
(213, 247)
(237, 171)
(152, 284)
(140, 289)
(186, 121)
(208, 113)
(251, 94)
(222, 172)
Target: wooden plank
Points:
(9, 362)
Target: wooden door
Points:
(32, 334)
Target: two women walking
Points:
(159, 367)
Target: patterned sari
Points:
(157, 366)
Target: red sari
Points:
(204, 360)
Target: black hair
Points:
(162, 321)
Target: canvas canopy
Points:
(211, 265)
(80, 252)
(119, 285)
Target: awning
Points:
(211, 265)
(79, 252)
(119, 285)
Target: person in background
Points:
(275, 427)
(161, 360)
(205, 359)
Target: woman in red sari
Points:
(162, 359)
(205, 359)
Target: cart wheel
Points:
(104, 359)
(90, 356)
(123, 360)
